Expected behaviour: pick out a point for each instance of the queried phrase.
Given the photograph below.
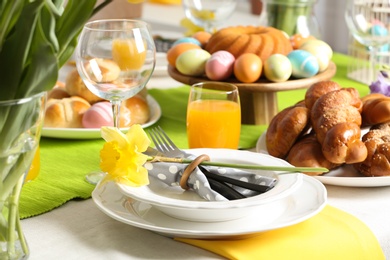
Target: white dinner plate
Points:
(343, 176)
(305, 202)
(187, 205)
(94, 133)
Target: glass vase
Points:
(21, 122)
(291, 16)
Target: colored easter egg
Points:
(298, 39)
(220, 65)
(304, 64)
(248, 67)
(178, 49)
(98, 115)
(202, 36)
(378, 30)
(187, 40)
(277, 68)
(321, 50)
(192, 62)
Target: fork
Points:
(165, 145)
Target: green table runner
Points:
(64, 163)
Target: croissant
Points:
(336, 120)
(376, 109)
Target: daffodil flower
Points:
(122, 156)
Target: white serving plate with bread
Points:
(342, 176)
(94, 133)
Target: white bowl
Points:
(187, 205)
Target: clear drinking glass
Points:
(209, 13)
(115, 58)
(368, 22)
(213, 115)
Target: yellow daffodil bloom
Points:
(122, 155)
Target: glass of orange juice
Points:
(213, 115)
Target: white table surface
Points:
(79, 230)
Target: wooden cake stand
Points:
(259, 102)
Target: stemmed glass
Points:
(209, 13)
(115, 58)
(368, 22)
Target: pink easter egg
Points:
(98, 115)
(220, 65)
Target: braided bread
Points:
(336, 120)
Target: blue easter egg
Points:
(379, 30)
(304, 64)
(187, 40)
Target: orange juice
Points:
(213, 124)
(127, 54)
(35, 167)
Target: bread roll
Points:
(66, 112)
(134, 110)
(307, 152)
(285, 128)
(58, 91)
(376, 109)
(319, 89)
(109, 71)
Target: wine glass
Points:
(209, 13)
(368, 22)
(115, 58)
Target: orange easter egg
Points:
(298, 39)
(202, 36)
(178, 49)
(248, 67)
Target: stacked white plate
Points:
(175, 212)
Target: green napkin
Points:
(64, 163)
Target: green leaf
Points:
(9, 14)
(70, 24)
(16, 49)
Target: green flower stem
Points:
(241, 166)
(13, 216)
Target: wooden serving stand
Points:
(259, 102)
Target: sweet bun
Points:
(66, 112)
(58, 91)
(307, 152)
(134, 110)
(285, 128)
(260, 40)
(319, 89)
(377, 141)
(376, 109)
(76, 87)
(336, 120)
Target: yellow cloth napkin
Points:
(331, 234)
